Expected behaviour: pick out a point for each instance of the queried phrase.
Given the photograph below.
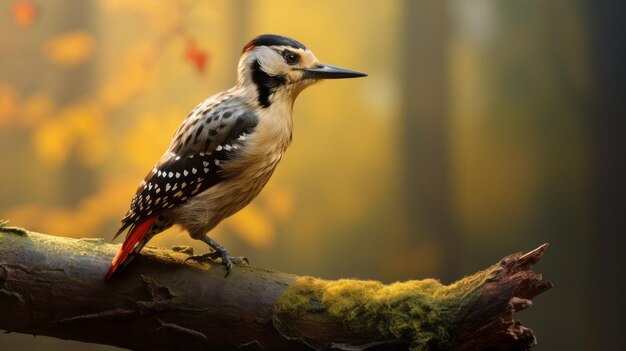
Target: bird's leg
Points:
(219, 252)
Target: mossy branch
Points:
(53, 286)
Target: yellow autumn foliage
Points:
(280, 203)
(85, 219)
(70, 48)
(77, 125)
(253, 226)
(148, 137)
(135, 75)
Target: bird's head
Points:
(276, 67)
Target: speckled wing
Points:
(208, 137)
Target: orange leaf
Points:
(24, 12)
(9, 105)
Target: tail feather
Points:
(135, 240)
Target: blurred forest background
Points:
(484, 128)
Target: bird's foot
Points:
(227, 259)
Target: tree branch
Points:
(53, 286)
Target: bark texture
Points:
(53, 286)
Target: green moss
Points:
(422, 312)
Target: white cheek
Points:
(271, 61)
(274, 69)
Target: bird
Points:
(225, 150)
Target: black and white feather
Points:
(212, 135)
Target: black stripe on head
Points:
(266, 84)
(272, 40)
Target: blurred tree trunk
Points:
(425, 128)
(75, 179)
(607, 125)
(240, 30)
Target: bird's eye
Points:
(291, 58)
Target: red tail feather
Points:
(133, 243)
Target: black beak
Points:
(331, 72)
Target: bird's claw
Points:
(209, 256)
(227, 259)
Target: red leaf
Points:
(197, 57)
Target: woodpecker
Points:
(225, 150)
